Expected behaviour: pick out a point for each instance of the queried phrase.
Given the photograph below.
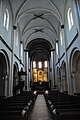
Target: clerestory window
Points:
(70, 18)
(6, 19)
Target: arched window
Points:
(45, 64)
(34, 64)
(39, 64)
(70, 18)
(6, 19)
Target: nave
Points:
(40, 110)
(39, 51)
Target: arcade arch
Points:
(4, 73)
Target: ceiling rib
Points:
(44, 9)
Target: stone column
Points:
(27, 67)
(12, 61)
(64, 83)
(48, 72)
(73, 81)
(53, 68)
(29, 72)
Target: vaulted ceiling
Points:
(38, 20)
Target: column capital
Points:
(26, 50)
(73, 71)
(73, 74)
(52, 49)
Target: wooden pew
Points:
(12, 108)
(63, 106)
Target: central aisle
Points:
(40, 111)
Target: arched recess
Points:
(15, 76)
(75, 71)
(64, 77)
(4, 73)
(39, 51)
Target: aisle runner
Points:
(40, 111)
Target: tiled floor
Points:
(40, 111)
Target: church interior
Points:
(39, 59)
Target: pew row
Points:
(63, 106)
(17, 107)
